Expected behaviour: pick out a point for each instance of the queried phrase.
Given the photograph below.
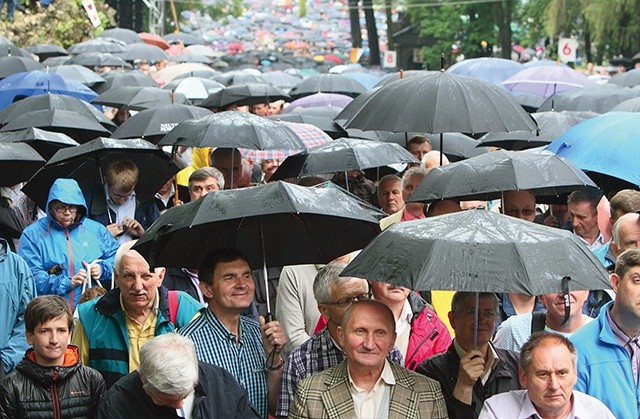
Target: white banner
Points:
(390, 58)
(90, 8)
(567, 48)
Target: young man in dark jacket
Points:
(50, 382)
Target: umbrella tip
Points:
(442, 62)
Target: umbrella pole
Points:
(346, 180)
(231, 177)
(269, 316)
(475, 325)
(176, 198)
(441, 148)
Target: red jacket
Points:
(429, 335)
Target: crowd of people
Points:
(190, 343)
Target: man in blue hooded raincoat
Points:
(65, 248)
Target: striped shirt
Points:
(317, 354)
(245, 360)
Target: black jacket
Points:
(217, 395)
(33, 391)
(444, 368)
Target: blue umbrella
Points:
(33, 83)
(493, 70)
(608, 144)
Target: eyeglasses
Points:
(471, 312)
(346, 302)
(513, 212)
(61, 209)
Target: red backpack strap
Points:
(173, 306)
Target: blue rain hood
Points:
(68, 192)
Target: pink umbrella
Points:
(310, 135)
(546, 80)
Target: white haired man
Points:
(175, 386)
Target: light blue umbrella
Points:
(608, 144)
(493, 70)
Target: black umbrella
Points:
(325, 124)
(631, 105)
(189, 57)
(342, 155)
(12, 65)
(626, 79)
(46, 143)
(123, 78)
(400, 75)
(438, 103)
(86, 164)
(18, 162)
(44, 51)
(52, 101)
(487, 176)
(233, 129)
(97, 45)
(10, 49)
(204, 73)
(597, 98)
(480, 251)
(185, 38)
(327, 83)
(281, 79)
(140, 98)
(153, 124)
(98, 59)
(143, 51)
(231, 78)
(244, 94)
(76, 125)
(309, 225)
(127, 36)
(78, 73)
(551, 125)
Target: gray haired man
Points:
(175, 386)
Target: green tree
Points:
(64, 22)
(441, 25)
(615, 23)
(302, 8)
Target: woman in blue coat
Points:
(61, 247)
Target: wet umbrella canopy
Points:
(598, 98)
(341, 155)
(438, 103)
(485, 177)
(46, 143)
(140, 98)
(153, 124)
(276, 224)
(479, 251)
(234, 129)
(18, 162)
(86, 164)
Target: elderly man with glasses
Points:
(334, 294)
(472, 370)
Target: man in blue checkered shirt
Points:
(247, 349)
(334, 294)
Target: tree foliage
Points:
(64, 22)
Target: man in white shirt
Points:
(583, 211)
(548, 372)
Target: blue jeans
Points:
(11, 8)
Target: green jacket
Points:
(106, 331)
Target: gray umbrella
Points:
(97, 45)
(480, 251)
(598, 98)
(140, 98)
(142, 51)
(341, 155)
(78, 73)
(98, 59)
(122, 34)
(486, 176)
